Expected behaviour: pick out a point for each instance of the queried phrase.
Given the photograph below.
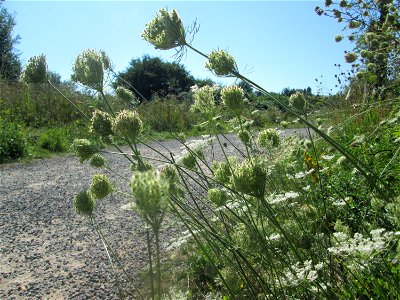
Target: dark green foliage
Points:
(12, 141)
(151, 75)
(10, 66)
(54, 140)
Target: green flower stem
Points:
(200, 244)
(127, 139)
(148, 240)
(242, 130)
(158, 263)
(108, 104)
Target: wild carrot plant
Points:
(273, 218)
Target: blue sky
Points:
(278, 44)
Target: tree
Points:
(374, 27)
(10, 66)
(150, 76)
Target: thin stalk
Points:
(148, 240)
(158, 265)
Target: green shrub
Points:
(12, 141)
(53, 139)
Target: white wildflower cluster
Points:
(274, 237)
(360, 245)
(179, 242)
(340, 201)
(300, 174)
(279, 198)
(307, 273)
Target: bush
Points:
(12, 141)
(53, 139)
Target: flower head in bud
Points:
(97, 161)
(165, 31)
(338, 38)
(371, 66)
(360, 75)
(128, 124)
(369, 36)
(126, 95)
(374, 44)
(101, 123)
(169, 172)
(89, 68)
(83, 148)
(217, 197)
(328, 3)
(250, 177)
(268, 138)
(284, 124)
(351, 38)
(354, 24)
(244, 136)
(100, 186)
(150, 191)
(204, 100)
(384, 45)
(380, 56)
(233, 98)
(297, 101)
(84, 203)
(337, 14)
(189, 161)
(36, 70)
(343, 3)
(222, 170)
(350, 57)
(364, 53)
(221, 63)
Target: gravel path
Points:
(47, 251)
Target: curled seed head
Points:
(100, 186)
(221, 63)
(97, 161)
(233, 98)
(84, 203)
(83, 148)
(89, 68)
(128, 124)
(101, 123)
(165, 31)
(350, 57)
(217, 197)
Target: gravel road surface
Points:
(47, 251)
